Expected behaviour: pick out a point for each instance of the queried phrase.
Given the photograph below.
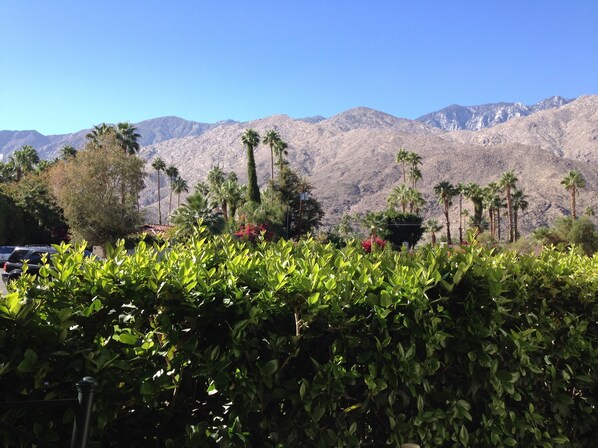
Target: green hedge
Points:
(222, 343)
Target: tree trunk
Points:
(510, 213)
(448, 224)
(159, 205)
(573, 211)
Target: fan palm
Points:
(400, 195)
(573, 181)
(507, 182)
(67, 152)
(281, 150)
(180, 186)
(401, 159)
(23, 160)
(519, 203)
(196, 210)
(445, 191)
(172, 172)
(271, 139)
(98, 131)
(159, 165)
(127, 138)
(432, 226)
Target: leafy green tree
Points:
(89, 189)
(567, 231)
(271, 139)
(508, 181)
(396, 227)
(159, 165)
(128, 138)
(445, 191)
(572, 182)
(303, 212)
(251, 139)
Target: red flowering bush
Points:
(367, 244)
(252, 232)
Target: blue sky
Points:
(67, 65)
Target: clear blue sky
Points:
(66, 65)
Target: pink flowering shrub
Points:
(367, 244)
(253, 232)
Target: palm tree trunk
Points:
(460, 219)
(272, 160)
(497, 211)
(515, 231)
(510, 213)
(159, 201)
(573, 211)
(448, 224)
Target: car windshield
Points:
(18, 255)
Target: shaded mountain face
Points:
(474, 118)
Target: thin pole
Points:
(86, 389)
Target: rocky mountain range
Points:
(350, 158)
(474, 118)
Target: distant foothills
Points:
(350, 158)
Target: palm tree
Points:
(432, 226)
(23, 160)
(172, 172)
(271, 139)
(251, 139)
(180, 186)
(159, 165)
(402, 157)
(400, 195)
(67, 152)
(475, 194)
(127, 138)
(573, 181)
(98, 131)
(415, 174)
(281, 150)
(507, 182)
(519, 203)
(196, 209)
(445, 191)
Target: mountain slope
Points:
(352, 166)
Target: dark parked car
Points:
(33, 255)
(5, 252)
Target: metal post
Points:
(86, 388)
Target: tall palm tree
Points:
(475, 194)
(281, 150)
(127, 138)
(414, 159)
(445, 191)
(172, 172)
(271, 139)
(507, 182)
(519, 203)
(573, 181)
(401, 159)
(251, 139)
(433, 226)
(180, 186)
(159, 165)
